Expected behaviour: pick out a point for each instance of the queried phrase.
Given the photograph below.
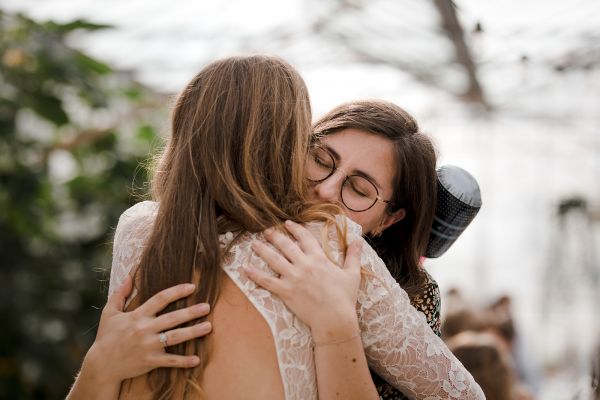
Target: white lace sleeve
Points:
(399, 344)
(133, 229)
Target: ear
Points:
(391, 219)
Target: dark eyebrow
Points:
(367, 177)
(337, 158)
(331, 150)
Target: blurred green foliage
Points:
(72, 134)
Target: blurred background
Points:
(509, 90)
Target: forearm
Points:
(90, 384)
(342, 370)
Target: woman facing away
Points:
(234, 166)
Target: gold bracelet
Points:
(337, 341)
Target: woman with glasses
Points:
(388, 205)
(370, 157)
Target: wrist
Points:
(92, 381)
(94, 370)
(335, 328)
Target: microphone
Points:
(458, 202)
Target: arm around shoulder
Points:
(399, 344)
(94, 380)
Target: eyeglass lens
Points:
(357, 192)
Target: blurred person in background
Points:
(483, 339)
(501, 317)
(488, 359)
(406, 316)
(461, 316)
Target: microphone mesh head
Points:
(458, 202)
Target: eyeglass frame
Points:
(334, 169)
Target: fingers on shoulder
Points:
(265, 280)
(165, 297)
(173, 361)
(305, 238)
(178, 317)
(116, 300)
(182, 335)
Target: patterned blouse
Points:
(429, 303)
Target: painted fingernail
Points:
(193, 361)
(268, 231)
(189, 286)
(289, 222)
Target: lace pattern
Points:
(398, 343)
(428, 303)
(133, 229)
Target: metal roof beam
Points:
(455, 32)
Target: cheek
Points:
(311, 193)
(367, 220)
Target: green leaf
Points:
(133, 93)
(146, 133)
(72, 26)
(105, 143)
(48, 107)
(90, 64)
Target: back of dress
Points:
(398, 343)
(258, 348)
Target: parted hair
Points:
(401, 245)
(234, 161)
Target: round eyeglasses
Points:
(357, 192)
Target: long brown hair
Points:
(401, 245)
(234, 162)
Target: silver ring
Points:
(163, 338)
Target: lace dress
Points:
(428, 302)
(398, 343)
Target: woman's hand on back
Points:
(322, 294)
(129, 344)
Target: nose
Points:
(329, 189)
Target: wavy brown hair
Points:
(234, 162)
(401, 245)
